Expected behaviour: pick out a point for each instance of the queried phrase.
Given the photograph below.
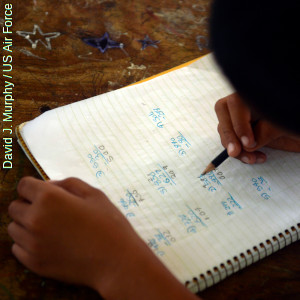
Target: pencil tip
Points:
(209, 168)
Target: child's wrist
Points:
(111, 280)
(143, 277)
(130, 277)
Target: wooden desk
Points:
(54, 67)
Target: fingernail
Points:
(260, 160)
(245, 141)
(245, 159)
(230, 148)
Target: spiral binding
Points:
(245, 259)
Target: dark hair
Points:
(256, 43)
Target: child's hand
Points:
(70, 231)
(238, 137)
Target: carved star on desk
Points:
(148, 42)
(103, 43)
(46, 36)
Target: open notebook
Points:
(146, 145)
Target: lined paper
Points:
(146, 145)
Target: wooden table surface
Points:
(53, 66)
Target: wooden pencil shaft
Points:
(220, 158)
(224, 154)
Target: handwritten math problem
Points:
(230, 205)
(262, 187)
(162, 178)
(181, 144)
(212, 180)
(157, 116)
(192, 218)
(130, 201)
(160, 238)
(99, 156)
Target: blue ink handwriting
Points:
(99, 154)
(262, 185)
(212, 180)
(191, 219)
(181, 144)
(157, 116)
(162, 178)
(160, 239)
(130, 201)
(230, 204)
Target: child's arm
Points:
(240, 140)
(70, 231)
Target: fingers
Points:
(75, 186)
(42, 195)
(41, 198)
(255, 157)
(241, 121)
(19, 235)
(31, 188)
(234, 124)
(228, 136)
(27, 259)
(237, 134)
(18, 210)
(21, 254)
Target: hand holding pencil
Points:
(241, 139)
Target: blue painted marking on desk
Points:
(102, 43)
(146, 42)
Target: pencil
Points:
(223, 155)
(216, 162)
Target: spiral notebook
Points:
(146, 145)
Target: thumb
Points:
(265, 133)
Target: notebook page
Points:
(146, 145)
